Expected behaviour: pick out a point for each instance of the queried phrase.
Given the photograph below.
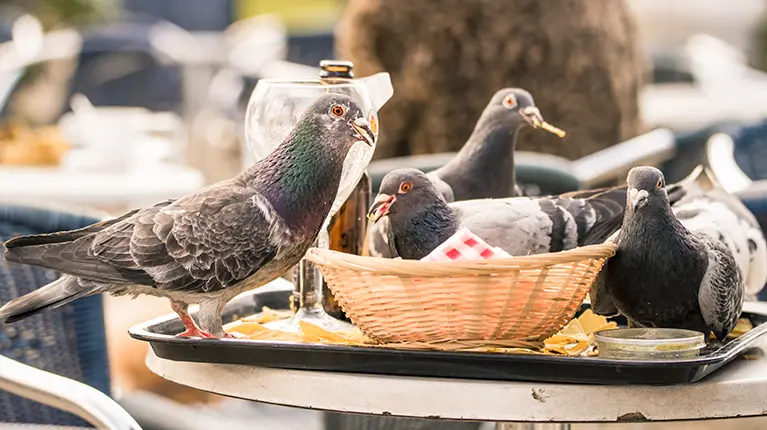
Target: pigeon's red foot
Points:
(196, 332)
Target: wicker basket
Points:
(501, 301)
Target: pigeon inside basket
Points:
(505, 301)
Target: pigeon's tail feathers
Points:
(65, 236)
(693, 176)
(700, 181)
(75, 258)
(585, 194)
(42, 239)
(676, 192)
(34, 251)
(58, 293)
(608, 206)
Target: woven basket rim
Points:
(386, 266)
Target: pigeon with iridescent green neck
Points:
(207, 247)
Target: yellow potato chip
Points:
(268, 315)
(313, 333)
(592, 322)
(578, 348)
(246, 328)
(560, 339)
(743, 326)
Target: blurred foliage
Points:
(55, 13)
(298, 15)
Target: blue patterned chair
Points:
(70, 342)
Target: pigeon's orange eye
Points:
(510, 101)
(337, 110)
(660, 183)
(405, 187)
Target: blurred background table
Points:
(104, 189)
(737, 390)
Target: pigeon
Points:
(420, 219)
(683, 265)
(708, 208)
(484, 167)
(209, 246)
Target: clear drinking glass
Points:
(273, 110)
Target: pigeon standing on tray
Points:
(211, 245)
(484, 167)
(682, 266)
(420, 219)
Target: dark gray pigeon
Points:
(209, 246)
(484, 167)
(673, 267)
(420, 219)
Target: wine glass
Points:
(273, 110)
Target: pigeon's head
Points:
(341, 118)
(403, 190)
(517, 107)
(646, 188)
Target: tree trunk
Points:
(578, 58)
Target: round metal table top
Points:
(737, 390)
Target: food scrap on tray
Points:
(574, 339)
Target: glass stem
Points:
(309, 277)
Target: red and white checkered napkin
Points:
(463, 246)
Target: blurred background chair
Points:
(70, 343)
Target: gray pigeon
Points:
(708, 208)
(673, 267)
(209, 246)
(484, 167)
(420, 219)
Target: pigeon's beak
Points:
(363, 131)
(380, 207)
(533, 116)
(638, 198)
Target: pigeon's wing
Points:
(523, 225)
(520, 226)
(378, 239)
(721, 291)
(601, 300)
(443, 187)
(204, 242)
(597, 216)
(723, 220)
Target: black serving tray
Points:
(160, 333)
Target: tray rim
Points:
(722, 356)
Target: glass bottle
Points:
(348, 234)
(347, 228)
